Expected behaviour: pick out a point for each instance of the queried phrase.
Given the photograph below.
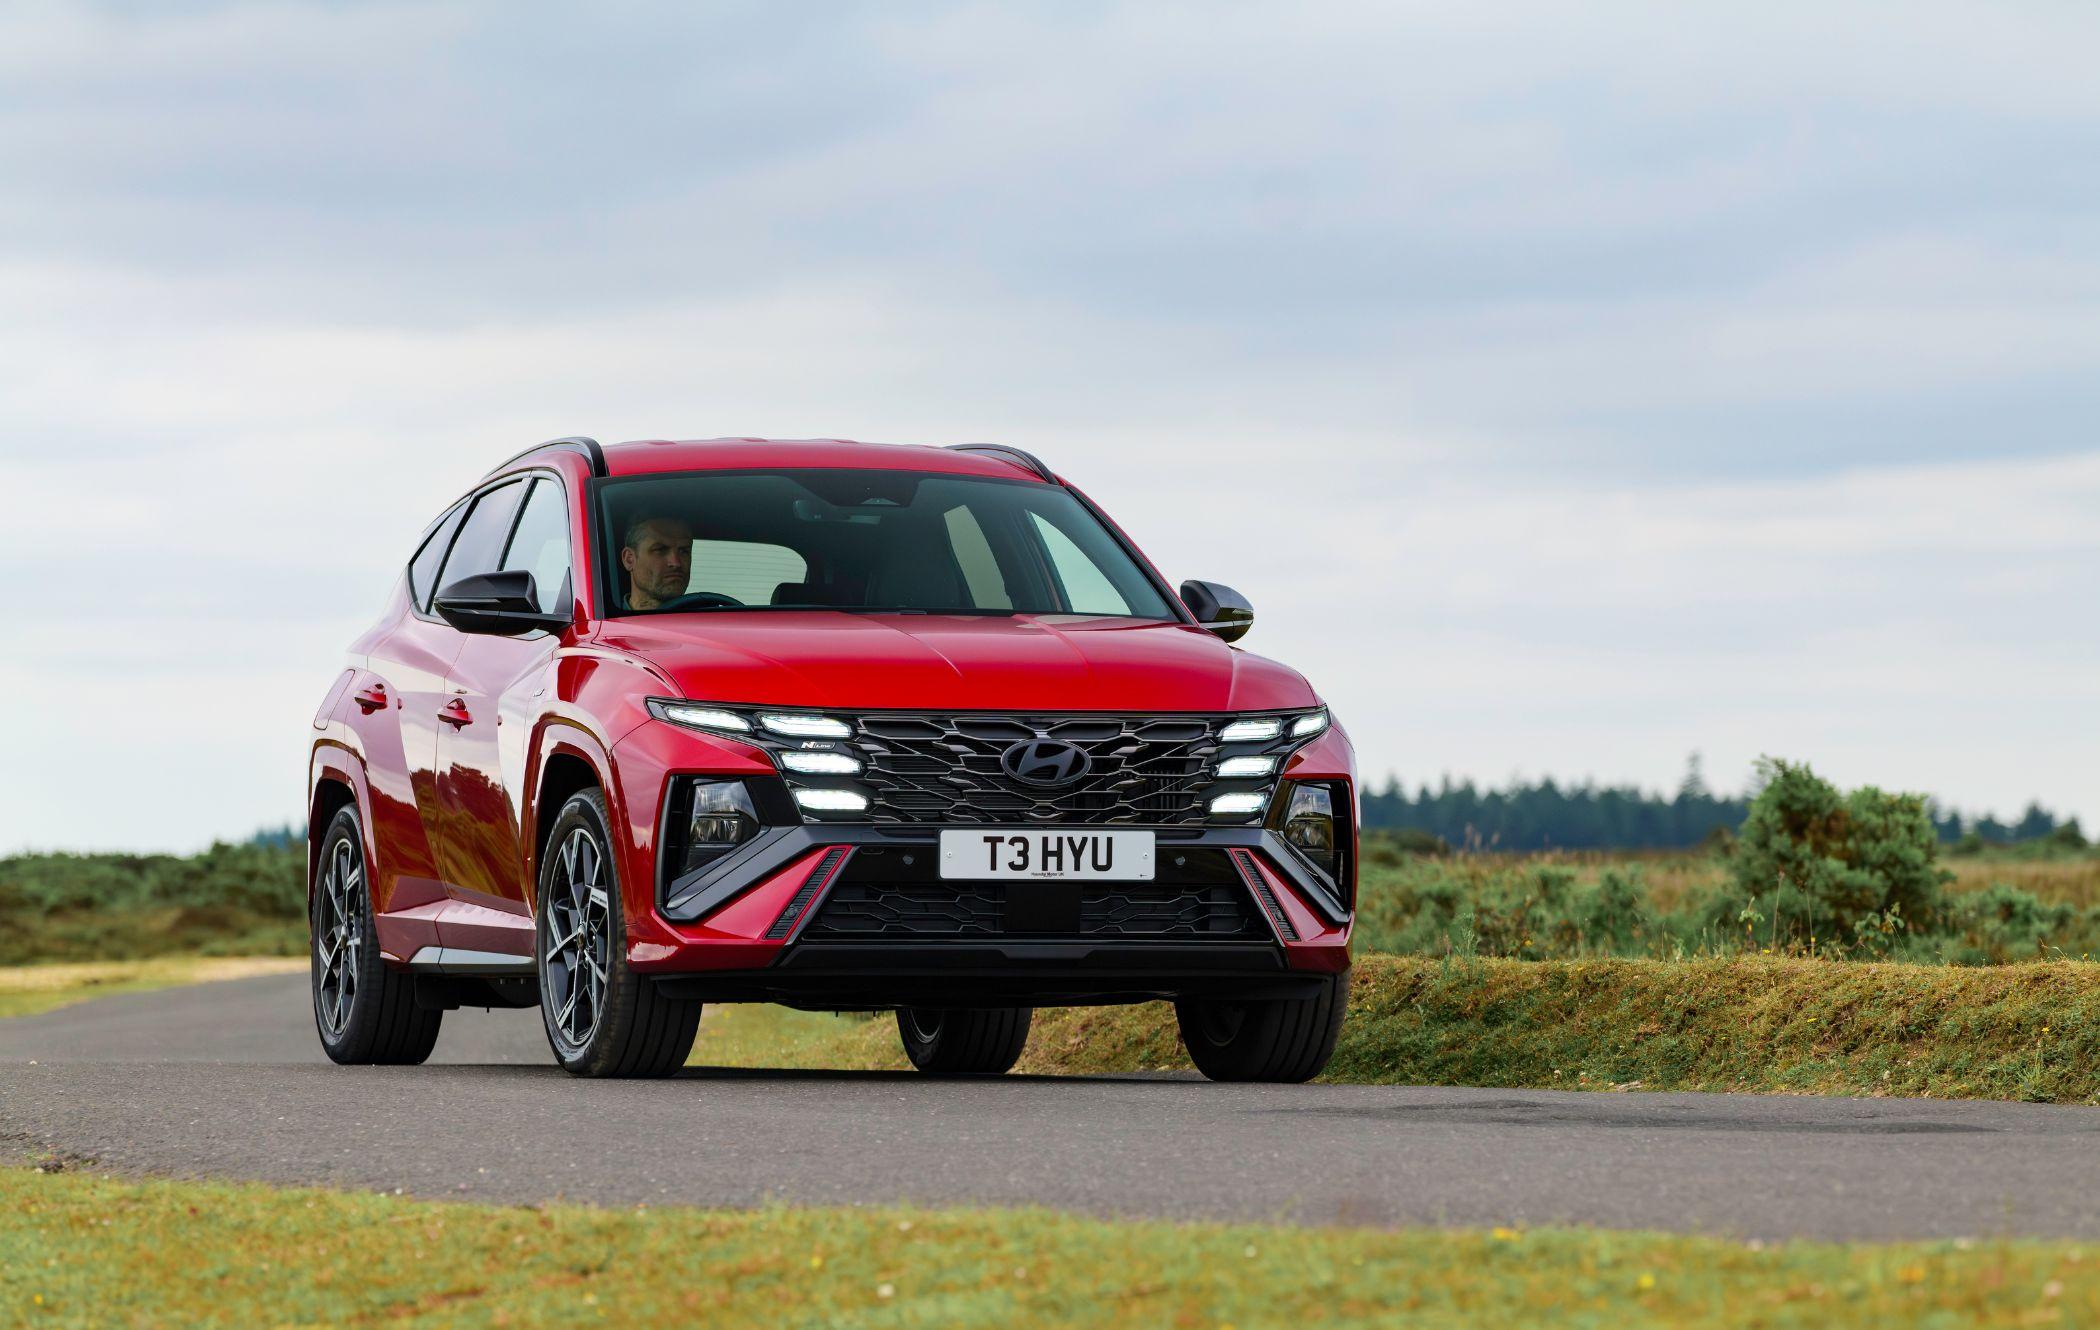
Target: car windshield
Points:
(870, 541)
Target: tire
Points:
(1281, 1039)
(946, 1041)
(602, 1018)
(364, 1011)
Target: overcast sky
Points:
(1569, 387)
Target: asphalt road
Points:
(226, 1080)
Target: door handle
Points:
(371, 699)
(455, 713)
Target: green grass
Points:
(1763, 1024)
(28, 989)
(88, 1250)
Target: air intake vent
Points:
(1250, 873)
(811, 885)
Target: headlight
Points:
(807, 727)
(821, 764)
(699, 718)
(832, 801)
(1305, 727)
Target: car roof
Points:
(648, 456)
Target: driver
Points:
(658, 557)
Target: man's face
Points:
(659, 563)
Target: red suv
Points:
(839, 725)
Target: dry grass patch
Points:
(27, 989)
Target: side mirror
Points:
(1219, 608)
(506, 604)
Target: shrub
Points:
(1822, 867)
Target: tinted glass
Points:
(422, 570)
(876, 541)
(540, 544)
(1086, 588)
(480, 542)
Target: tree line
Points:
(1548, 815)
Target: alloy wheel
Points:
(579, 939)
(339, 936)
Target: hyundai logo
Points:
(1046, 762)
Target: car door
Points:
(494, 690)
(394, 702)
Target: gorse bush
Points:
(1851, 869)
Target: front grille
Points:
(867, 911)
(928, 768)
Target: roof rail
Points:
(1027, 461)
(588, 447)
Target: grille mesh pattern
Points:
(895, 911)
(931, 768)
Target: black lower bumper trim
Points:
(849, 976)
(695, 894)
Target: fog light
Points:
(1244, 731)
(1228, 805)
(1240, 768)
(717, 816)
(807, 727)
(722, 813)
(831, 801)
(1314, 817)
(821, 764)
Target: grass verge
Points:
(1745, 1023)
(28, 989)
(87, 1250)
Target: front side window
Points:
(868, 541)
(479, 545)
(540, 545)
(422, 570)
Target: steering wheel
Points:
(694, 600)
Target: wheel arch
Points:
(571, 762)
(337, 783)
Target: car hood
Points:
(930, 662)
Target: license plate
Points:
(1104, 856)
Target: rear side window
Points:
(540, 545)
(422, 570)
(479, 548)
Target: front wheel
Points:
(602, 1018)
(1276, 1039)
(946, 1041)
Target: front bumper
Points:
(850, 915)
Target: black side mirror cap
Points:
(1219, 608)
(506, 604)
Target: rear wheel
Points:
(946, 1041)
(1278, 1039)
(602, 1018)
(365, 1011)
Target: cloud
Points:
(1571, 389)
